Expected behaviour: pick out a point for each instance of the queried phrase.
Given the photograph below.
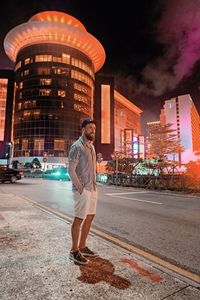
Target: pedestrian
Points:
(82, 170)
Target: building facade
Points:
(6, 112)
(55, 64)
(118, 120)
(185, 119)
(104, 116)
(56, 87)
(127, 120)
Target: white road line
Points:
(126, 193)
(135, 199)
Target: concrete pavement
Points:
(34, 264)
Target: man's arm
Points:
(74, 177)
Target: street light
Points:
(8, 152)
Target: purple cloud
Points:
(179, 32)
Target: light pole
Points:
(8, 153)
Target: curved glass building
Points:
(55, 62)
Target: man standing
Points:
(82, 170)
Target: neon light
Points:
(3, 96)
(105, 114)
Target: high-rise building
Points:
(151, 126)
(118, 120)
(185, 119)
(127, 126)
(55, 64)
(6, 110)
(56, 87)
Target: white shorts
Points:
(85, 203)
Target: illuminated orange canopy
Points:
(54, 27)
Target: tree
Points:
(15, 164)
(193, 169)
(121, 163)
(165, 146)
(28, 165)
(36, 163)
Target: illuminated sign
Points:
(141, 146)
(105, 114)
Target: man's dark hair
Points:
(87, 121)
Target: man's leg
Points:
(75, 232)
(85, 230)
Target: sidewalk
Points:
(34, 264)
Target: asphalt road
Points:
(165, 224)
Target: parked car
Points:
(8, 174)
(33, 173)
(57, 174)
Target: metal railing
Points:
(164, 182)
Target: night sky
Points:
(152, 50)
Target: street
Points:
(165, 224)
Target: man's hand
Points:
(81, 191)
(74, 177)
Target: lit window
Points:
(36, 114)
(27, 115)
(80, 98)
(82, 77)
(45, 81)
(66, 58)
(61, 93)
(26, 72)
(16, 142)
(57, 59)
(61, 70)
(38, 144)
(79, 64)
(2, 104)
(26, 104)
(18, 65)
(24, 144)
(50, 116)
(59, 144)
(27, 61)
(44, 92)
(43, 58)
(43, 71)
(81, 108)
(81, 88)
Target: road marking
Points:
(126, 193)
(128, 246)
(135, 199)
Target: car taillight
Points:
(21, 173)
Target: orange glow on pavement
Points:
(141, 270)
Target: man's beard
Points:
(89, 137)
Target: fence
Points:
(169, 182)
